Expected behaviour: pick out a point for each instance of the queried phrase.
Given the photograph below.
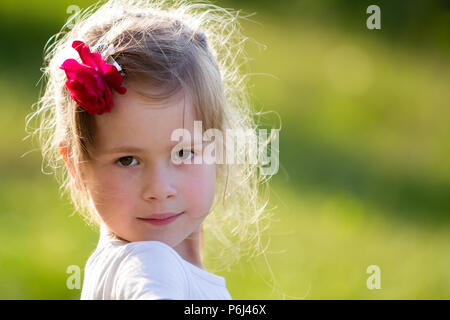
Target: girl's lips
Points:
(162, 219)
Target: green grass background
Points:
(364, 151)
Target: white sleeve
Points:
(150, 271)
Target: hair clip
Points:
(107, 55)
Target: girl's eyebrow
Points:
(132, 149)
(122, 149)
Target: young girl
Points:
(119, 84)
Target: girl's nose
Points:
(158, 184)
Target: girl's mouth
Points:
(161, 219)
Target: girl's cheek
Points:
(111, 185)
(199, 188)
(113, 199)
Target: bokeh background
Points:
(364, 153)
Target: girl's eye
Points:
(126, 161)
(185, 154)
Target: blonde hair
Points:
(196, 46)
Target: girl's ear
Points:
(65, 154)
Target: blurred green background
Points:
(364, 151)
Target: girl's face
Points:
(140, 180)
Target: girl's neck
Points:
(189, 249)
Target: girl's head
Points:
(180, 64)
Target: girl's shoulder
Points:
(148, 251)
(152, 253)
(150, 270)
(136, 270)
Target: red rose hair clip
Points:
(91, 82)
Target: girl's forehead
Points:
(137, 121)
(137, 103)
(152, 97)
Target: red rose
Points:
(90, 83)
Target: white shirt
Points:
(119, 270)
